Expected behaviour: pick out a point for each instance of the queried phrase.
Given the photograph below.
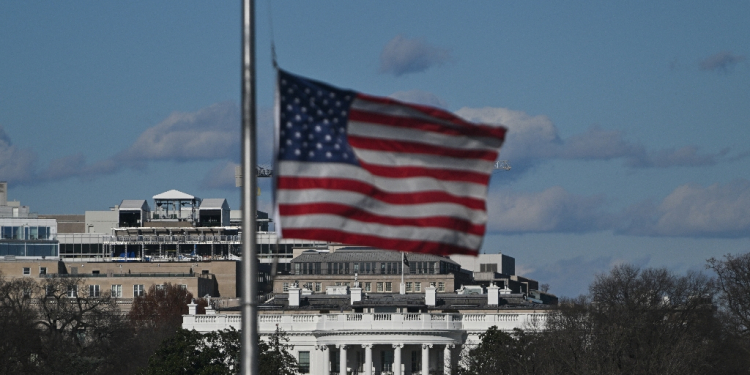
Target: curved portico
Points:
(385, 352)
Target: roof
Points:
(174, 195)
(214, 204)
(133, 204)
(352, 254)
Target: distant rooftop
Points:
(174, 195)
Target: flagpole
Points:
(402, 274)
(249, 335)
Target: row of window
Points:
(29, 249)
(78, 248)
(94, 290)
(367, 268)
(25, 233)
(380, 287)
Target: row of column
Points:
(396, 358)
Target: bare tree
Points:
(733, 280)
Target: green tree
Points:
(218, 352)
(501, 353)
(275, 358)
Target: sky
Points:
(628, 121)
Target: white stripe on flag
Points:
(392, 185)
(397, 159)
(374, 206)
(371, 130)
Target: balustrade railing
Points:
(369, 321)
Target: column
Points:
(447, 359)
(426, 358)
(397, 358)
(325, 367)
(368, 358)
(342, 358)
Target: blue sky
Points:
(628, 122)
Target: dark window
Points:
(304, 362)
(386, 360)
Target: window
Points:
(380, 287)
(408, 286)
(382, 268)
(386, 361)
(182, 286)
(286, 287)
(138, 290)
(304, 362)
(317, 287)
(388, 286)
(488, 267)
(160, 287)
(27, 271)
(368, 287)
(417, 287)
(49, 290)
(72, 291)
(441, 286)
(334, 361)
(116, 291)
(93, 290)
(416, 361)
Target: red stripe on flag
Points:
(461, 128)
(357, 214)
(393, 145)
(413, 246)
(440, 174)
(423, 197)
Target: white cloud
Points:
(551, 210)
(208, 134)
(532, 139)
(694, 211)
(402, 56)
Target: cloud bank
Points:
(694, 211)
(551, 210)
(533, 139)
(403, 56)
(690, 210)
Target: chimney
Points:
(492, 295)
(429, 298)
(192, 306)
(294, 293)
(356, 293)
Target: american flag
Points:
(373, 171)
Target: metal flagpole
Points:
(402, 274)
(249, 339)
